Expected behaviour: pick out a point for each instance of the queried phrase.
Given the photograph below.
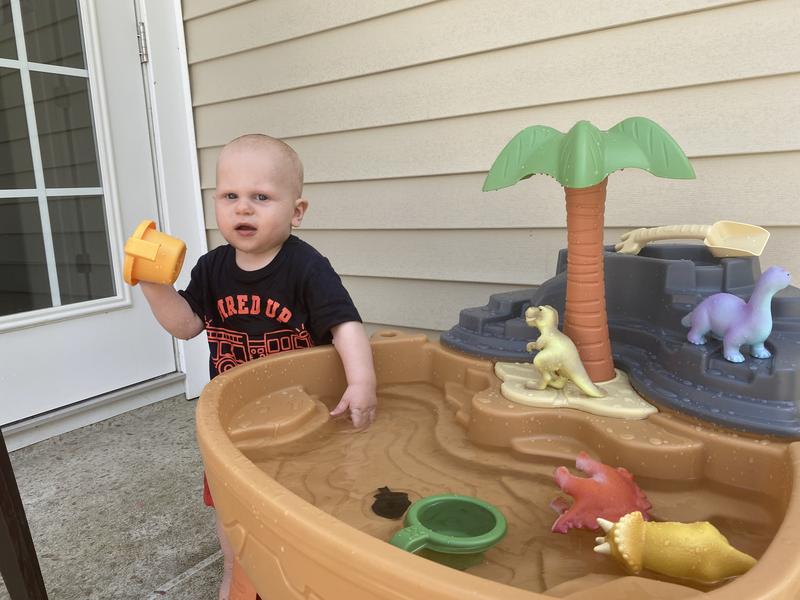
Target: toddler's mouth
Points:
(245, 229)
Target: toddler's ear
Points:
(300, 208)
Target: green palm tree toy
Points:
(581, 161)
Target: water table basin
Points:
(294, 488)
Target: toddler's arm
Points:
(172, 310)
(350, 341)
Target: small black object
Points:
(389, 504)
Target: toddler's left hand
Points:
(361, 400)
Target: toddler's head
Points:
(259, 196)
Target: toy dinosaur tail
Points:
(687, 320)
(585, 385)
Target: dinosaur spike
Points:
(606, 525)
(604, 548)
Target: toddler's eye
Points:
(261, 197)
(230, 196)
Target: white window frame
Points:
(122, 299)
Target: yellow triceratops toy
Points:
(696, 551)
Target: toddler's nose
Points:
(243, 206)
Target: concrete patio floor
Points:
(116, 510)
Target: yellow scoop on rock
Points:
(724, 238)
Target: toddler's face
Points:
(256, 202)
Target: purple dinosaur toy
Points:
(729, 318)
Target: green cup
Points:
(451, 529)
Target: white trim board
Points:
(172, 122)
(94, 410)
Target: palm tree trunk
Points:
(585, 318)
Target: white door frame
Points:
(175, 151)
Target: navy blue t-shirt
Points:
(291, 303)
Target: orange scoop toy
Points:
(153, 256)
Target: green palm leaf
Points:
(585, 156)
(640, 143)
(528, 153)
(582, 156)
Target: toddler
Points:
(268, 288)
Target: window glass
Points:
(81, 247)
(66, 135)
(24, 284)
(53, 32)
(8, 45)
(16, 164)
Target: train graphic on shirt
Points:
(230, 348)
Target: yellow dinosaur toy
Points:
(695, 551)
(557, 360)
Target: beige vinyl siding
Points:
(398, 109)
